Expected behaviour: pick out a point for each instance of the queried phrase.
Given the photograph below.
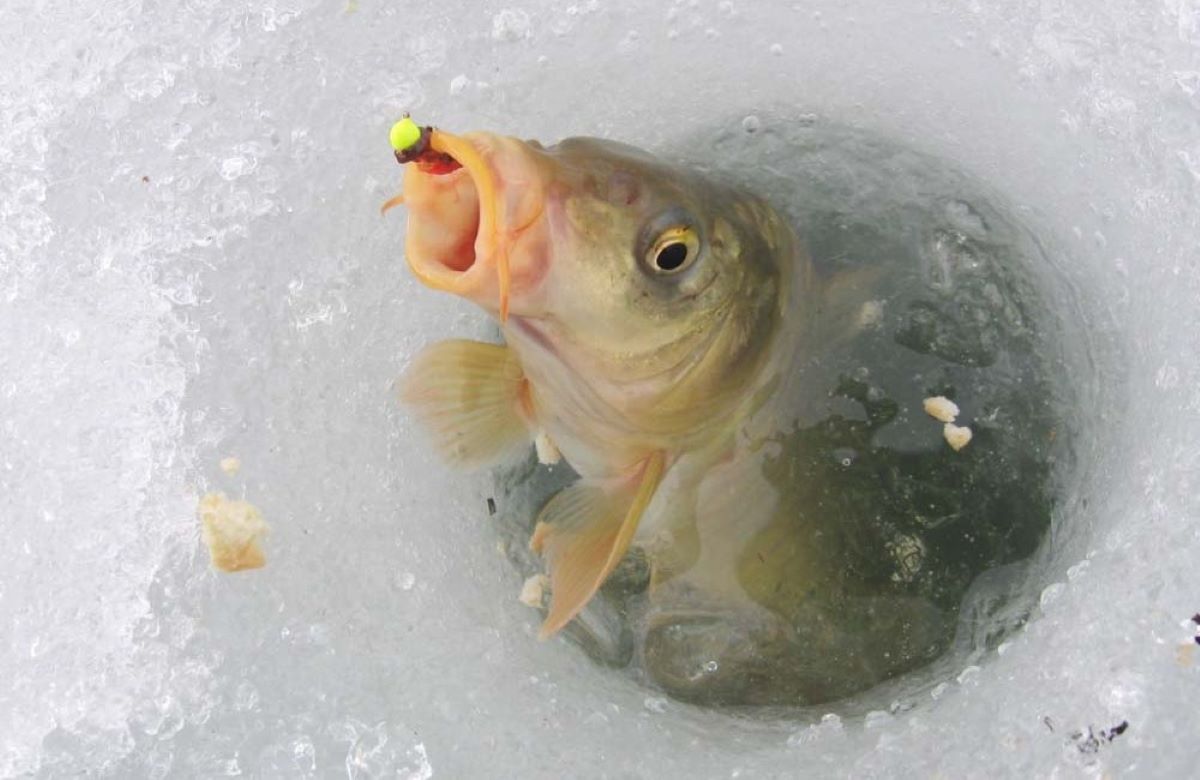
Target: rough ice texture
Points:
(192, 263)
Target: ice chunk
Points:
(870, 315)
(511, 24)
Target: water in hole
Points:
(841, 558)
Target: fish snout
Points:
(476, 231)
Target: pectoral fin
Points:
(472, 397)
(584, 532)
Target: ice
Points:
(192, 265)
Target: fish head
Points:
(640, 290)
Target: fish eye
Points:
(673, 250)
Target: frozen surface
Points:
(192, 267)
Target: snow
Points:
(192, 264)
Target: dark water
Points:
(903, 524)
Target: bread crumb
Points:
(547, 451)
(231, 530)
(941, 408)
(533, 592)
(231, 465)
(956, 436)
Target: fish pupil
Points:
(671, 256)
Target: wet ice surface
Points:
(191, 267)
(884, 527)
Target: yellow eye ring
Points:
(675, 249)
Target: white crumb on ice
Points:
(941, 408)
(871, 314)
(547, 451)
(956, 436)
(231, 531)
(533, 592)
(231, 465)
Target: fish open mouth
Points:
(454, 240)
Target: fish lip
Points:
(506, 191)
(445, 270)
